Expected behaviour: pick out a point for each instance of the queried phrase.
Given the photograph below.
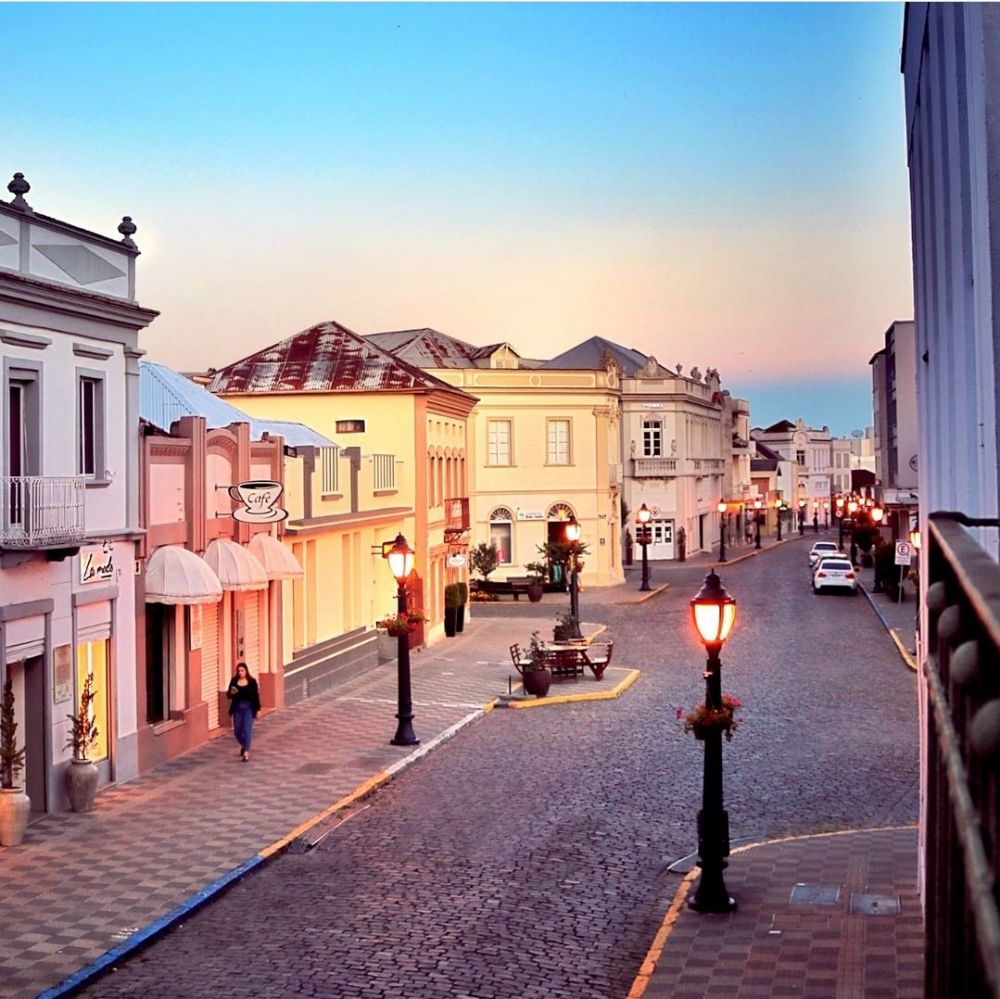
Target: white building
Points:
(69, 330)
(809, 454)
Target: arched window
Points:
(560, 511)
(502, 534)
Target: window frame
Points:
(98, 476)
(349, 426)
(27, 375)
(652, 437)
(490, 424)
(550, 422)
(503, 521)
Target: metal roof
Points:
(165, 396)
(427, 348)
(326, 357)
(591, 355)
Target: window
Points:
(330, 467)
(652, 439)
(502, 534)
(92, 660)
(90, 425)
(498, 444)
(350, 426)
(558, 453)
(800, 457)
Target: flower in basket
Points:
(704, 720)
(402, 623)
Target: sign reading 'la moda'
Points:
(260, 501)
(97, 564)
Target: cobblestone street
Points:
(528, 856)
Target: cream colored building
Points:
(543, 447)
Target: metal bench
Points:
(513, 587)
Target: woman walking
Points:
(244, 706)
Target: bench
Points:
(564, 661)
(512, 587)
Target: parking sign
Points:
(904, 552)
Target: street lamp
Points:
(915, 539)
(802, 517)
(826, 514)
(877, 513)
(721, 507)
(815, 516)
(757, 506)
(714, 612)
(400, 559)
(573, 532)
(642, 533)
(777, 509)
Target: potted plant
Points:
(536, 676)
(15, 805)
(567, 627)
(402, 623)
(81, 776)
(452, 600)
(463, 596)
(681, 544)
(703, 720)
(536, 574)
(557, 556)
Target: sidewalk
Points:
(899, 618)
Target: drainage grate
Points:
(815, 894)
(315, 768)
(298, 845)
(874, 905)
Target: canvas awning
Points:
(278, 561)
(235, 566)
(176, 576)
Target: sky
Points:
(718, 185)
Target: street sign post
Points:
(904, 554)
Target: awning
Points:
(176, 576)
(278, 561)
(236, 568)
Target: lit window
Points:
(498, 452)
(558, 442)
(502, 534)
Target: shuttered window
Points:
(330, 468)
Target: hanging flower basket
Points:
(401, 624)
(705, 721)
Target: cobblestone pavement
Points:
(529, 856)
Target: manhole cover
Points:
(874, 905)
(315, 768)
(814, 894)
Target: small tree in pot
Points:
(537, 678)
(81, 777)
(15, 806)
(536, 573)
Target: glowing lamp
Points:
(721, 506)
(757, 504)
(714, 611)
(643, 514)
(400, 558)
(915, 539)
(573, 530)
(877, 514)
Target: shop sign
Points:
(97, 563)
(653, 405)
(260, 502)
(530, 515)
(62, 671)
(455, 561)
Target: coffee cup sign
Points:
(259, 498)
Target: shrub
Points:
(484, 559)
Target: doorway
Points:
(28, 680)
(159, 641)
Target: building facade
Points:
(894, 404)
(69, 329)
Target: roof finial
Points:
(19, 187)
(127, 228)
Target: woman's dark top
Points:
(249, 693)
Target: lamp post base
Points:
(711, 895)
(405, 736)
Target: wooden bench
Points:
(512, 587)
(565, 661)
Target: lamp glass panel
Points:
(707, 620)
(573, 531)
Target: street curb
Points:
(900, 648)
(79, 979)
(645, 974)
(656, 591)
(594, 695)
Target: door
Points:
(28, 678)
(211, 683)
(662, 545)
(159, 637)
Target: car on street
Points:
(835, 573)
(822, 548)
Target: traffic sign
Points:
(904, 552)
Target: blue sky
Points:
(719, 185)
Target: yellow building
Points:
(544, 445)
(400, 453)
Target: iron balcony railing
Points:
(41, 511)
(385, 471)
(962, 862)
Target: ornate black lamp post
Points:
(778, 507)
(802, 517)
(826, 514)
(840, 518)
(876, 514)
(642, 533)
(757, 508)
(573, 532)
(714, 612)
(400, 559)
(722, 507)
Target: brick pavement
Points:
(83, 883)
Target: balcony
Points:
(41, 511)
(384, 470)
(962, 859)
(653, 467)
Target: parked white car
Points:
(822, 548)
(835, 572)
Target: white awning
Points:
(176, 576)
(236, 568)
(278, 561)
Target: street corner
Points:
(643, 597)
(624, 677)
